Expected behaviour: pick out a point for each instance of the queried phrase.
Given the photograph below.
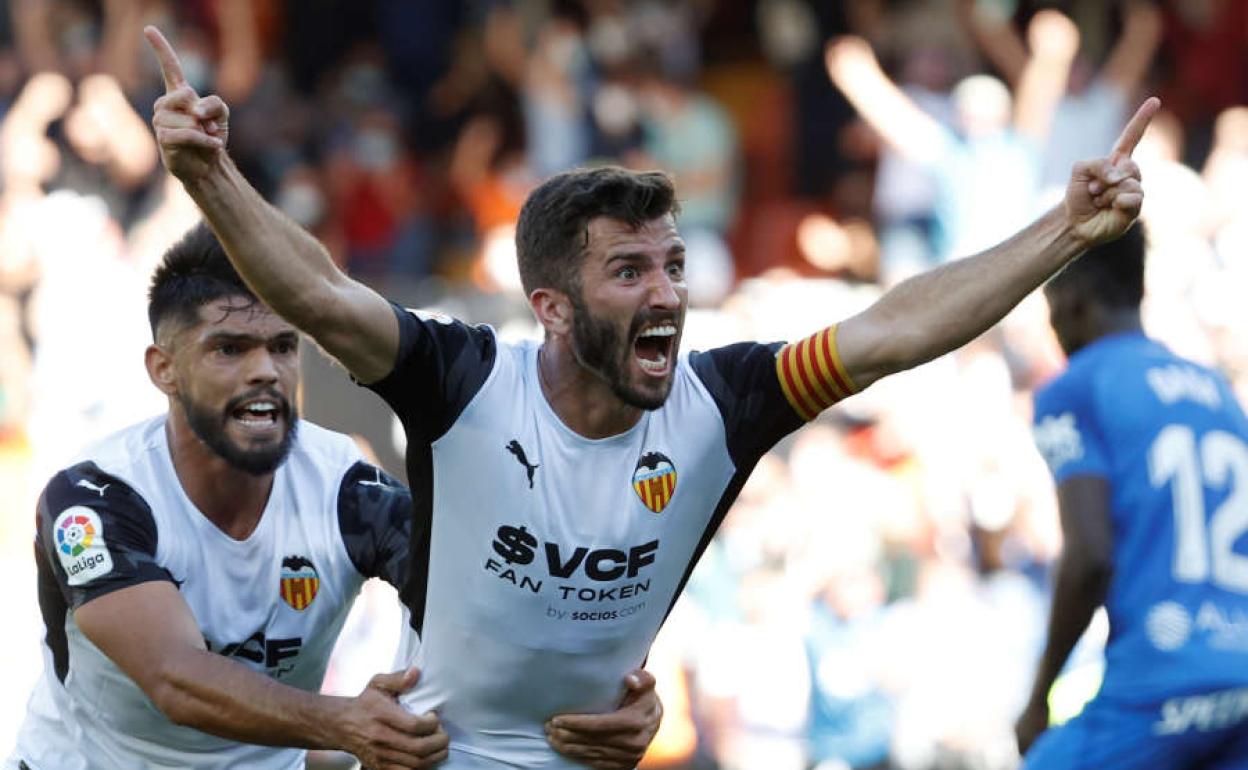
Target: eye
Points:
(676, 271)
(229, 349)
(627, 272)
(285, 347)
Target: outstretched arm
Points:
(938, 311)
(1083, 574)
(148, 631)
(287, 268)
(853, 68)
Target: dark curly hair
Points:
(1111, 274)
(194, 271)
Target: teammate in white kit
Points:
(195, 570)
(572, 485)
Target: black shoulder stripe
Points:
(94, 534)
(741, 379)
(440, 365)
(375, 518)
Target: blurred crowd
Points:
(877, 597)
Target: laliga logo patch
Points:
(299, 582)
(428, 314)
(654, 480)
(80, 545)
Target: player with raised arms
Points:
(558, 563)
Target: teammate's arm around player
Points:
(940, 310)
(149, 632)
(283, 264)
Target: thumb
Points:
(638, 682)
(396, 682)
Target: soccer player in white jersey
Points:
(195, 570)
(572, 484)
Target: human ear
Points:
(160, 369)
(553, 309)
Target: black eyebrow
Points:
(677, 248)
(627, 256)
(219, 337)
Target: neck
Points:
(1116, 322)
(582, 399)
(233, 500)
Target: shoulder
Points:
(325, 447)
(127, 451)
(85, 484)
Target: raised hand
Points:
(613, 741)
(191, 130)
(848, 58)
(1104, 196)
(385, 736)
(1053, 36)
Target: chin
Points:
(649, 399)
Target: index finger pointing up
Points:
(1131, 135)
(170, 67)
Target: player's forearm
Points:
(1079, 589)
(219, 696)
(938, 311)
(284, 264)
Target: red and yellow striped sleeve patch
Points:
(811, 374)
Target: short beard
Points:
(596, 345)
(209, 427)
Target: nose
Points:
(664, 294)
(261, 368)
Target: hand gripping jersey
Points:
(1172, 441)
(552, 558)
(274, 602)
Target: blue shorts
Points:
(1207, 731)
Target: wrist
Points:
(330, 724)
(213, 179)
(1069, 238)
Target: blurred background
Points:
(877, 597)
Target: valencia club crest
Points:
(299, 582)
(654, 480)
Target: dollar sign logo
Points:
(516, 546)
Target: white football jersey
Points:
(274, 601)
(551, 560)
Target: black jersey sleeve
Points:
(375, 518)
(440, 366)
(766, 391)
(742, 380)
(95, 534)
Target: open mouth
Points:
(653, 348)
(258, 414)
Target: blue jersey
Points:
(1172, 441)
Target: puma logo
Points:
(88, 485)
(517, 450)
(376, 481)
